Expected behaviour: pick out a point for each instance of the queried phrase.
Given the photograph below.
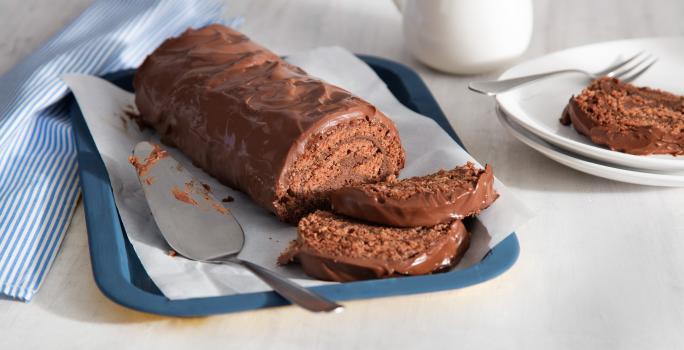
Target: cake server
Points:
(198, 227)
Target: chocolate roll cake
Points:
(334, 248)
(626, 118)
(419, 201)
(260, 124)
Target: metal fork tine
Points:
(633, 76)
(626, 70)
(618, 65)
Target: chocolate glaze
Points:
(239, 111)
(638, 140)
(441, 256)
(421, 209)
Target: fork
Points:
(623, 70)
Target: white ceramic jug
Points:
(466, 36)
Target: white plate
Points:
(588, 166)
(538, 106)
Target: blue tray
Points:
(121, 277)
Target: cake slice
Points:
(626, 118)
(419, 201)
(335, 248)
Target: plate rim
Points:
(555, 153)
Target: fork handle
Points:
(289, 290)
(495, 87)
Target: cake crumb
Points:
(227, 199)
(206, 187)
(171, 252)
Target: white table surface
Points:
(601, 265)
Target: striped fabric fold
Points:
(38, 170)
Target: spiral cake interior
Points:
(350, 153)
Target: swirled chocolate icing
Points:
(335, 248)
(627, 118)
(419, 201)
(249, 118)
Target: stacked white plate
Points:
(531, 113)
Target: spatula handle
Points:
(291, 291)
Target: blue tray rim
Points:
(112, 254)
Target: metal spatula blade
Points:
(199, 228)
(193, 223)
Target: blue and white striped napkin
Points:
(38, 169)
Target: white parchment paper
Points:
(428, 149)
